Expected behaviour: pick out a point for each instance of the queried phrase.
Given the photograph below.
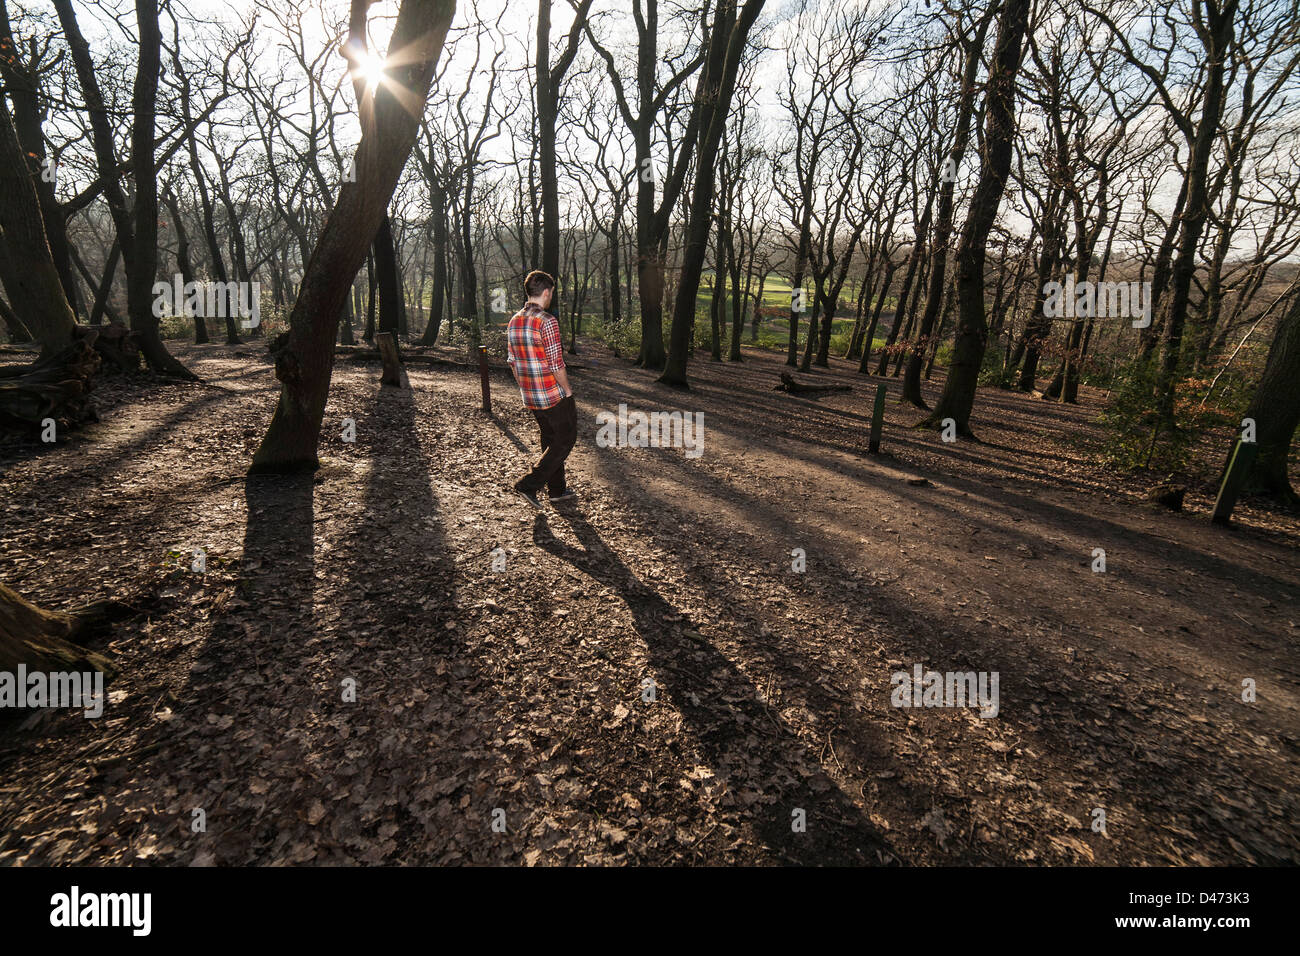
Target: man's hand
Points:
(562, 377)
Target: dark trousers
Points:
(559, 427)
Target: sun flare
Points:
(370, 69)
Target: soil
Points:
(691, 664)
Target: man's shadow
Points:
(509, 432)
(722, 718)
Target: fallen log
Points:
(408, 358)
(789, 385)
(115, 343)
(359, 355)
(54, 388)
(46, 640)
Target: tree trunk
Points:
(729, 36)
(869, 336)
(31, 279)
(185, 267)
(23, 86)
(958, 397)
(1219, 27)
(392, 305)
(904, 293)
(1276, 409)
(943, 223)
(142, 263)
(44, 640)
(304, 356)
(437, 298)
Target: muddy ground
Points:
(520, 696)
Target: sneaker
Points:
(529, 496)
(568, 495)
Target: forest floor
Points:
(520, 696)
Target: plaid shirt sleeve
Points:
(550, 329)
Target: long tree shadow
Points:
(236, 715)
(1025, 676)
(722, 720)
(1000, 500)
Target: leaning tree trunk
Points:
(1220, 33)
(907, 291)
(943, 222)
(304, 356)
(31, 278)
(17, 331)
(1000, 127)
(1276, 409)
(718, 85)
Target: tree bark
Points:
(43, 640)
(729, 36)
(1276, 409)
(958, 397)
(304, 356)
(30, 278)
(943, 223)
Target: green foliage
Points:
(991, 372)
(1137, 439)
(841, 333)
(624, 337)
(704, 330)
(177, 327)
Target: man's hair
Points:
(537, 282)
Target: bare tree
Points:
(304, 356)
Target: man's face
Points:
(547, 295)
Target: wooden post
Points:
(483, 375)
(877, 417)
(1243, 457)
(387, 344)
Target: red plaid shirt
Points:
(534, 352)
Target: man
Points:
(536, 357)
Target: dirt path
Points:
(524, 691)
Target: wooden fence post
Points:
(877, 418)
(1243, 457)
(483, 375)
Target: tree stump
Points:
(56, 387)
(44, 640)
(394, 373)
(1168, 494)
(789, 385)
(116, 345)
